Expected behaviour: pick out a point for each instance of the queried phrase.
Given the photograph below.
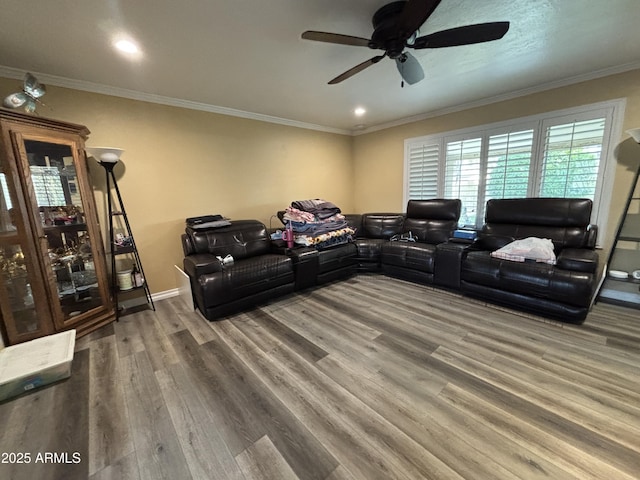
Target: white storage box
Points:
(33, 364)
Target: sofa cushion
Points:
(563, 220)
(241, 239)
(381, 225)
(336, 258)
(432, 221)
(533, 279)
(369, 248)
(434, 209)
(244, 278)
(417, 256)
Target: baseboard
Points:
(174, 292)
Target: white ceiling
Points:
(247, 57)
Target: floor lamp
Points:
(108, 157)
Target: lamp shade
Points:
(105, 154)
(635, 133)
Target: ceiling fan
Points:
(396, 29)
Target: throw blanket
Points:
(334, 237)
(318, 207)
(311, 224)
(531, 248)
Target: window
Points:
(48, 186)
(572, 155)
(558, 154)
(462, 173)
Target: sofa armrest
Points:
(592, 230)
(187, 244)
(491, 242)
(578, 259)
(201, 264)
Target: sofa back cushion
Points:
(432, 221)
(381, 225)
(241, 239)
(354, 220)
(563, 220)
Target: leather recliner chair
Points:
(255, 276)
(373, 230)
(431, 222)
(565, 290)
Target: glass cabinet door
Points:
(69, 257)
(23, 306)
(53, 274)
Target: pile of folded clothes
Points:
(317, 223)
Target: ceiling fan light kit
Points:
(395, 28)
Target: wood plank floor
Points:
(368, 378)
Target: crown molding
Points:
(499, 98)
(82, 85)
(15, 73)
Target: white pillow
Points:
(531, 248)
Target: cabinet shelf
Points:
(620, 292)
(624, 280)
(132, 289)
(121, 250)
(71, 227)
(8, 238)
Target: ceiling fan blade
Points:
(413, 15)
(467, 35)
(409, 68)
(335, 38)
(358, 68)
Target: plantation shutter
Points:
(508, 165)
(423, 171)
(462, 176)
(571, 159)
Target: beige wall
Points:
(379, 156)
(180, 163)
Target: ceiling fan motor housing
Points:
(385, 35)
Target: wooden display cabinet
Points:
(52, 260)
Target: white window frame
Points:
(612, 110)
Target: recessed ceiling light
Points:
(127, 46)
(359, 111)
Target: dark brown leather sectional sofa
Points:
(264, 269)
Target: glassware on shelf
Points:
(18, 288)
